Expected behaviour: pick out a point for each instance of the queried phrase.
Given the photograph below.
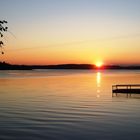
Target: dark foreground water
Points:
(67, 105)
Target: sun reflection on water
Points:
(98, 81)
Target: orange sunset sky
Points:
(71, 31)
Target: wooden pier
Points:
(126, 89)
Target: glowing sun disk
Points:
(99, 64)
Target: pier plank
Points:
(128, 89)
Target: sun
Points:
(99, 64)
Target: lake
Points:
(68, 105)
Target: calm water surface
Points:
(67, 105)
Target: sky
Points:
(71, 31)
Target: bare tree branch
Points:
(3, 28)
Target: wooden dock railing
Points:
(128, 89)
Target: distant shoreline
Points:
(6, 66)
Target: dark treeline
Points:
(64, 66)
(6, 66)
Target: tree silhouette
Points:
(3, 29)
